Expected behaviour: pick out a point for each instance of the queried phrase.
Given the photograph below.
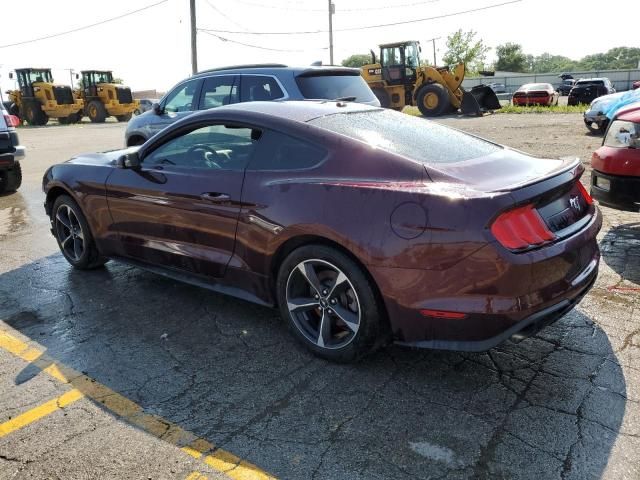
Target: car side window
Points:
(213, 147)
(260, 88)
(278, 151)
(182, 98)
(218, 91)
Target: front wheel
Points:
(433, 100)
(329, 303)
(73, 235)
(96, 112)
(124, 118)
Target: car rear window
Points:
(332, 87)
(588, 83)
(411, 137)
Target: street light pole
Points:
(332, 10)
(194, 43)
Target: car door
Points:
(219, 90)
(180, 208)
(180, 102)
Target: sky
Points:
(151, 49)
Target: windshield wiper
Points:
(344, 99)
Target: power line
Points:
(46, 37)
(367, 27)
(220, 12)
(299, 9)
(257, 46)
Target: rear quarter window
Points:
(277, 151)
(414, 138)
(331, 87)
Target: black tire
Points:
(64, 121)
(433, 100)
(88, 257)
(382, 95)
(344, 343)
(96, 112)
(34, 115)
(75, 117)
(124, 118)
(10, 180)
(598, 129)
(135, 141)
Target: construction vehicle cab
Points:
(103, 97)
(399, 79)
(38, 98)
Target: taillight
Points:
(521, 228)
(585, 194)
(11, 120)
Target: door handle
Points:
(215, 197)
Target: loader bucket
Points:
(479, 99)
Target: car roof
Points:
(594, 79)
(296, 110)
(630, 113)
(274, 68)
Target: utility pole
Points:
(332, 10)
(71, 72)
(433, 40)
(194, 42)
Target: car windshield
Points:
(411, 137)
(331, 87)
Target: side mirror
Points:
(129, 160)
(157, 109)
(11, 75)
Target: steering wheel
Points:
(209, 156)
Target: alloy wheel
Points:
(69, 233)
(323, 304)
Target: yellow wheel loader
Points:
(103, 98)
(399, 79)
(38, 98)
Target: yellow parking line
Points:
(38, 412)
(195, 476)
(199, 448)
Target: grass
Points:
(519, 109)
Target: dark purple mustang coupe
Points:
(360, 224)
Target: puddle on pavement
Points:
(12, 219)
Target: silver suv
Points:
(246, 83)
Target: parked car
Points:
(498, 87)
(587, 89)
(565, 87)
(146, 104)
(535, 94)
(615, 178)
(360, 223)
(594, 118)
(11, 153)
(228, 85)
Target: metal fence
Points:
(621, 79)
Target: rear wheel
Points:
(96, 112)
(10, 180)
(124, 118)
(329, 303)
(597, 128)
(432, 100)
(73, 235)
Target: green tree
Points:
(616, 58)
(463, 47)
(511, 58)
(357, 60)
(547, 63)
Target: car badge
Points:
(574, 202)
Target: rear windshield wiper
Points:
(344, 99)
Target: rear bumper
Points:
(623, 193)
(501, 294)
(532, 100)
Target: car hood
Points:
(504, 170)
(603, 102)
(103, 158)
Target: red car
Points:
(536, 94)
(361, 224)
(615, 178)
